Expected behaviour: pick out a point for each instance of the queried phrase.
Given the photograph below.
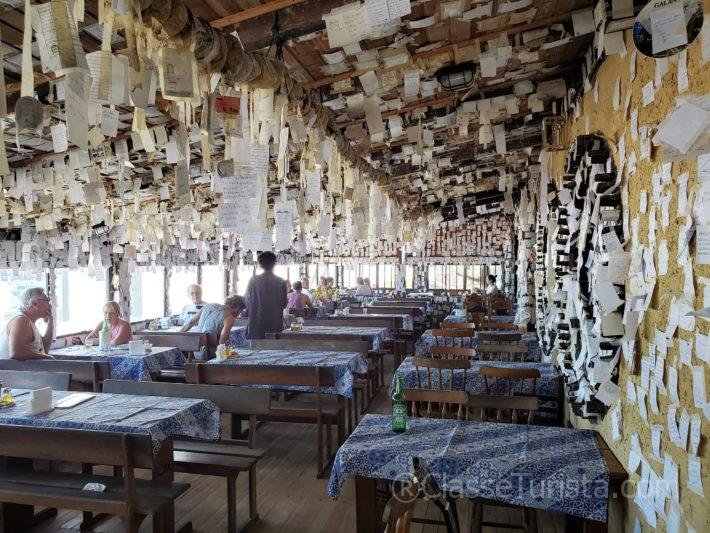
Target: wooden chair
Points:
(510, 381)
(321, 413)
(488, 336)
(453, 337)
(399, 509)
(24, 379)
(298, 313)
(458, 325)
(363, 388)
(501, 352)
(498, 326)
(499, 304)
(188, 343)
(476, 317)
(438, 393)
(224, 458)
(504, 409)
(127, 497)
(85, 375)
(452, 352)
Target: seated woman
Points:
(120, 329)
(297, 301)
(491, 287)
(217, 320)
(194, 292)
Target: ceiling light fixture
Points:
(456, 77)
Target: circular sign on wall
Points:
(665, 27)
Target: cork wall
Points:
(598, 115)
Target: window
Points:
(446, 277)
(12, 288)
(349, 276)
(180, 279)
(474, 277)
(386, 276)
(147, 296)
(409, 277)
(244, 273)
(79, 297)
(213, 283)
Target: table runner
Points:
(155, 416)
(545, 467)
(344, 365)
(121, 364)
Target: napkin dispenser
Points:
(40, 401)
(136, 347)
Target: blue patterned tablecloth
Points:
(344, 365)
(149, 415)
(544, 467)
(238, 336)
(507, 319)
(124, 366)
(376, 335)
(546, 383)
(532, 354)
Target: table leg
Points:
(164, 520)
(367, 514)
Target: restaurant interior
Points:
(363, 265)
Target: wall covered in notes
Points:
(655, 423)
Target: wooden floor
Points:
(290, 498)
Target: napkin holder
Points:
(136, 347)
(40, 401)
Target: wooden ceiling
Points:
(455, 164)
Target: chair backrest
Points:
(498, 326)
(25, 379)
(185, 342)
(399, 509)
(504, 408)
(93, 447)
(475, 303)
(393, 310)
(499, 302)
(476, 318)
(453, 337)
(439, 403)
(84, 374)
(503, 380)
(488, 336)
(452, 352)
(227, 374)
(298, 313)
(229, 399)
(328, 345)
(501, 352)
(319, 336)
(443, 370)
(458, 325)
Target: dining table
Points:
(570, 471)
(123, 365)
(529, 340)
(344, 364)
(548, 385)
(237, 335)
(374, 335)
(155, 418)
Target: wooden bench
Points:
(320, 413)
(25, 379)
(130, 499)
(188, 342)
(363, 386)
(84, 374)
(224, 458)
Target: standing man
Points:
(21, 339)
(266, 299)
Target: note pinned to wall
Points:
(57, 37)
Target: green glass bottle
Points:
(105, 326)
(399, 407)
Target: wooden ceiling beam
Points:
(253, 12)
(296, 21)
